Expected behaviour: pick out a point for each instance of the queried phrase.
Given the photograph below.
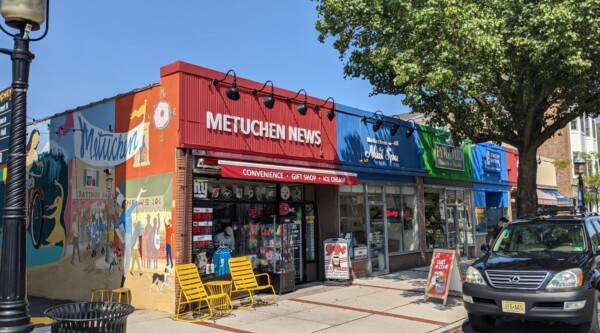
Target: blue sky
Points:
(98, 49)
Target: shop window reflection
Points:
(435, 224)
(352, 221)
(403, 231)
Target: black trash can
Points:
(89, 317)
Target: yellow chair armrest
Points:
(264, 274)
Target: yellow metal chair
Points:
(244, 280)
(120, 294)
(101, 295)
(193, 293)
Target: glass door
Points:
(377, 238)
(463, 227)
(451, 225)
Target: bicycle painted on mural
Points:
(35, 212)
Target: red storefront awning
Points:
(287, 174)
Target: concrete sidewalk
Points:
(392, 302)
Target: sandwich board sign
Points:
(444, 274)
(337, 263)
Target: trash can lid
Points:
(86, 311)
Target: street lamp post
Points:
(26, 16)
(579, 166)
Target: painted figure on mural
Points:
(103, 231)
(32, 159)
(94, 232)
(169, 240)
(111, 232)
(85, 228)
(57, 235)
(155, 240)
(148, 242)
(129, 236)
(75, 230)
(135, 255)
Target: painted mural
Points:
(106, 218)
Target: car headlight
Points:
(569, 278)
(473, 276)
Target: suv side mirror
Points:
(485, 248)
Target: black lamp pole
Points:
(579, 164)
(14, 312)
(581, 189)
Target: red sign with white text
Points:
(439, 274)
(289, 176)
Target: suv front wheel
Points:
(485, 323)
(592, 326)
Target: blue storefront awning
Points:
(490, 195)
(561, 199)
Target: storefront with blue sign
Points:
(379, 215)
(490, 187)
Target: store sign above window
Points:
(261, 129)
(449, 157)
(382, 150)
(492, 161)
(284, 174)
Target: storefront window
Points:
(403, 229)
(264, 221)
(374, 193)
(352, 220)
(450, 197)
(435, 219)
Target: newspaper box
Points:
(337, 262)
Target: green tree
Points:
(512, 71)
(592, 184)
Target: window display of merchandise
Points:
(275, 254)
(435, 220)
(260, 220)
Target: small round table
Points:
(221, 305)
(218, 287)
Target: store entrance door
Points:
(457, 225)
(378, 239)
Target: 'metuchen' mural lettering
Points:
(99, 147)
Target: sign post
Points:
(337, 261)
(5, 118)
(444, 273)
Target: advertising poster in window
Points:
(202, 229)
(336, 259)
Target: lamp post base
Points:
(16, 315)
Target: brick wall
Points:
(558, 148)
(183, 208)
(406, 261)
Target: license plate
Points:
(513, 307)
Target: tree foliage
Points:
(512, 71)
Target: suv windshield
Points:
(541, 237)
